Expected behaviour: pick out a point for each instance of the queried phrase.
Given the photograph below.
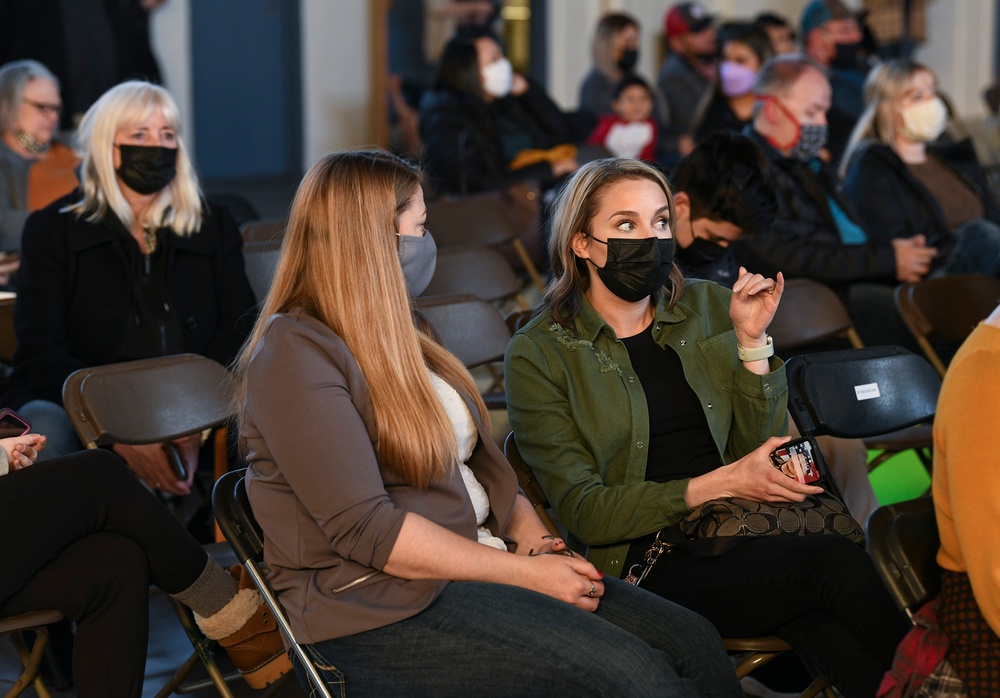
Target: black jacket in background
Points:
(892, 203)
(75, 296)
(463, 146)
(803, 241)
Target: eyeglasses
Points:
(46, 109)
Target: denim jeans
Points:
(50, 419)
(976, 250)
(480, 639)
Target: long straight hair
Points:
(575, 208)
(884, 88)
(179, 205)
(339, 263)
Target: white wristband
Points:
(756, 353)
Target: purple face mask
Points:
(736, 80)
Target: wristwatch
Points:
(756, 353)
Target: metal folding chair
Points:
(236, 519)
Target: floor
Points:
(168, 649)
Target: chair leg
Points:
(30, 660)
(529, 265)
(202, 651)
(753, 661)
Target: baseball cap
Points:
(819, 12)
(686, 17)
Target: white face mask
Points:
(497, 78)
(924, 121)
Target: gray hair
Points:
(778, 75)
(14, 76)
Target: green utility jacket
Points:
(581, 422)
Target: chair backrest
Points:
(856, 393)
(946, 310)
(261, 247)
(472, 220)
(903, 542)
(8, 342)
(476, 270)
(148, 401)
(529, 485)
(810, 313)
(469, 327)
(236, 520)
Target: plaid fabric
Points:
(917, 657)
(942, 683)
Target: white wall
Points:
(170, 30)
(336, 76)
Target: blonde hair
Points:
(884, 88)
(574, 209)
(178, 206)
(339, 263)
(608, 29)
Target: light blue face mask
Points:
(418, 258)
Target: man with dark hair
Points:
(722, 192)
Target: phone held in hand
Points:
(12, 424)
(796, 460)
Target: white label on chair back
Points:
(867, 392)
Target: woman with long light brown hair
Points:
(396, 537)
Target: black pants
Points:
(80, 534)
(820, 594)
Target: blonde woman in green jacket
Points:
(636, 396)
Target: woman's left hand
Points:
(22, 451)
(755, 299)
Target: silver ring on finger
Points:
(593, 590)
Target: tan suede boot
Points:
(247, 630)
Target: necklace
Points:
(150, 238)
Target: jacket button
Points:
(638, 444)
(631, 379)
(684, 342)
(614, 562)
(710, 405)
(767, 386)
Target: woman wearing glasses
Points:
(35, 170)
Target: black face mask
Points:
(846, 56)
(636, 268)
(147, 169)
(700, 251)
(628, 60)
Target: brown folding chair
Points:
(482, 219)
(8, 342)
(261, 246)
(155, 401)
(808, 315)
(476, 270)
(758, 650)
(944, 311)
(474, 331)
(34, 622)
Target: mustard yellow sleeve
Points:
(967, 468)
